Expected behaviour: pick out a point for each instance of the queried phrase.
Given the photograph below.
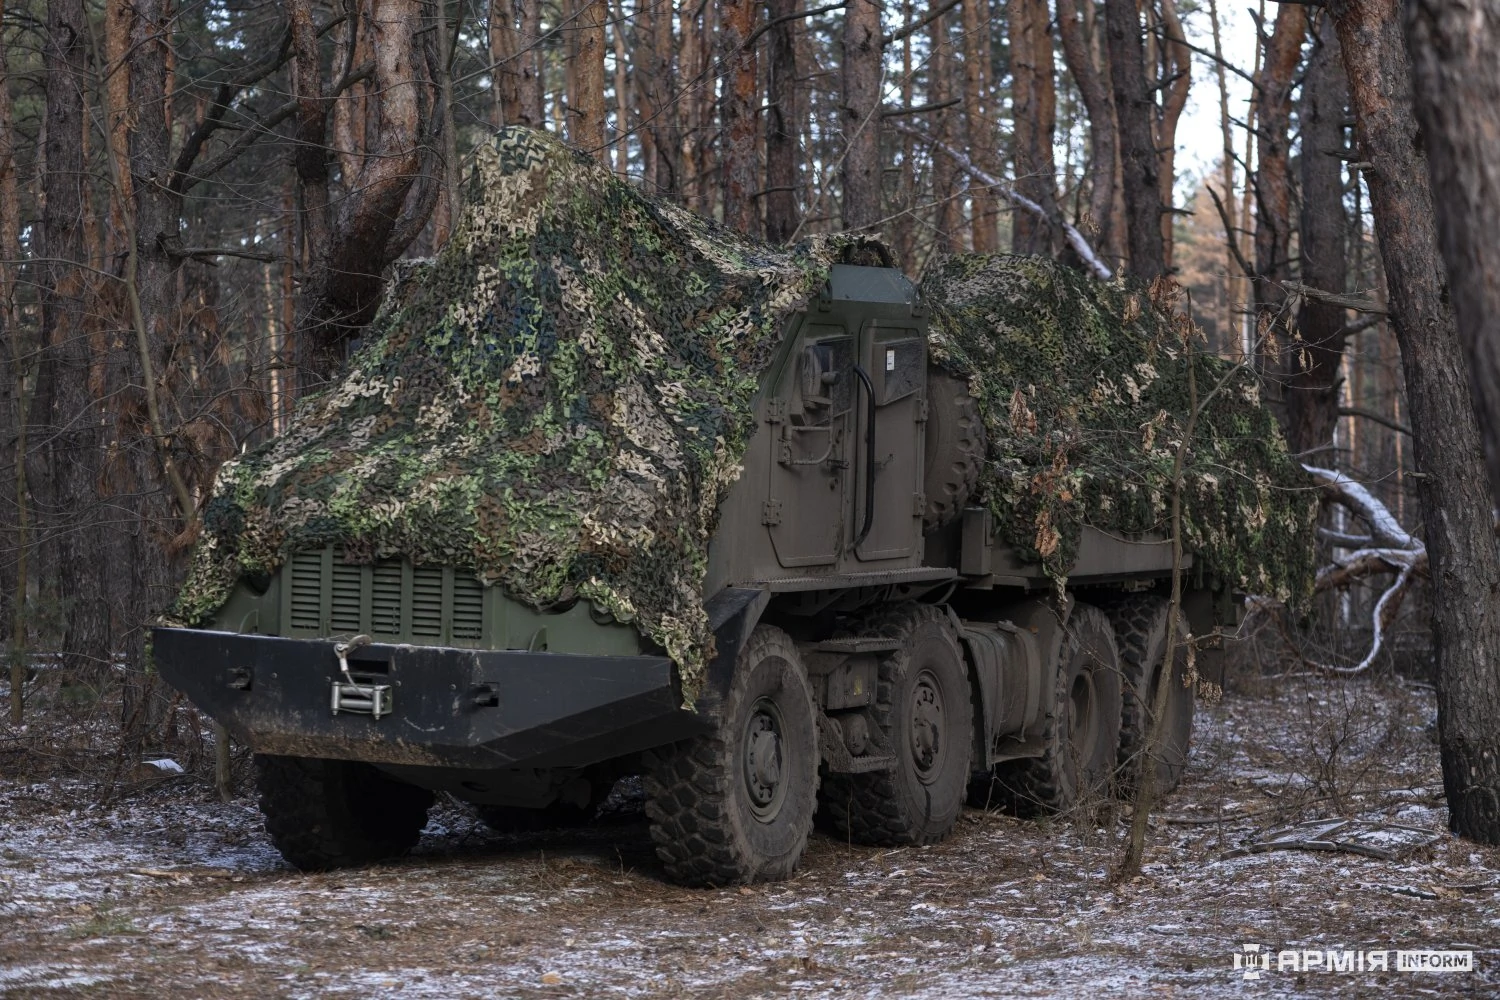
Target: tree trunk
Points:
(586, 125)
(738, 154)
(1177, 66)
(15, 579)
(1312, 365)
(656, 93)
(624, 102)
(859, 114)
(1455, 48)
(980, 123)
(947, 218)
(1229, 343)
(1034, 97)
(64, 404)
(1273, 186)
(781, 124)
(388, 184)
(145, 466)
(903, 229)
(450, 204)
(532, 108)
(505, 51)
(1099, 103)
(1454, 495)
(687, 100)
(1134, 109)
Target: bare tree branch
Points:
(1371, 415)
(1075, 238)
(1356, 302)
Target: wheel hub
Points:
(927, 727)
(763, 770)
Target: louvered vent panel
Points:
(343, 612)
(307, 588)
(385, 598)
(468, 608)
(427, 602)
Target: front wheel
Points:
(325, 814)
(736, 804)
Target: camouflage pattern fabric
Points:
(557, 403)
(1085, 413)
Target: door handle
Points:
(864, 379)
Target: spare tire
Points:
(955, 448)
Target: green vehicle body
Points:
(835, 520)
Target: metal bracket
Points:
(349, 695)
(770, 513)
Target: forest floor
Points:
(166, 891)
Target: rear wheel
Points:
(1081, 730)
(325, 814)
(923, 709)
(1140, 627)
(736, 805)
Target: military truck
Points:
(879, 649)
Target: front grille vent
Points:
(344, 611)
(390, 601)
(468, 608)
(427, 602)
(307, 588)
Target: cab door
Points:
(809, 420)
(885, 514)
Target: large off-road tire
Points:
(1081, 728)
(325, 814)
(736, 805)
(954, 449)
(1140, 626)
(924, 711)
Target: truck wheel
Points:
(923, 709)
(736, 805)
(1140, 626)
(1081, 731)
(954, 449)
(324, 814)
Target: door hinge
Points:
(770, 513)
(922, 410)
(775, 410)
(918, 504)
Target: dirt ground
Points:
(167, 892)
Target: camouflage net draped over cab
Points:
(557, 403)
(1084, 414)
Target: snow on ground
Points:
(168, 892)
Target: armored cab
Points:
(796, 587)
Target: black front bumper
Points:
(448, 707)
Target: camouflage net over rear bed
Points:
(557, 403)
(1084, 413)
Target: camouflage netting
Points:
(1084, 415)
(557, 403)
